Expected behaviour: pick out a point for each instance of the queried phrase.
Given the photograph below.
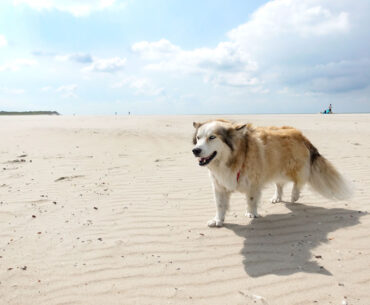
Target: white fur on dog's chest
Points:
(228, 179)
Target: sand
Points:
(113, 210)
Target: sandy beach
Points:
(113, 210)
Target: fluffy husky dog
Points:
(244, 158)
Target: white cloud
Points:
(67, 91)
(46, 89)
(292, 41)
(156, 50)
(282, 18)
(283, 29)
(3, 41)
(109, 65)
(311, 45)
(77, 8)
(224, 64)
(15, 91)
(17, 64)
(141, 86)
(233, 79)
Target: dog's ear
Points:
(239, 126)
(226, 135)
(196, 125)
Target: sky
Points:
(184, 57)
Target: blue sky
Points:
(184, 57)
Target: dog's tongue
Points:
(203, 159)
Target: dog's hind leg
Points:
(253, 197)
(222, 198)
(296, 191)
(278, 193)
(299, 180)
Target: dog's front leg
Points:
(253, 197)
(222, 198)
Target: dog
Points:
(244, 158)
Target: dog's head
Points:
(215, 141)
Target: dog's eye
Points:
(198, 137)
(212, 137)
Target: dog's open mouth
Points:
(206, 160)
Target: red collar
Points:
(239, 172)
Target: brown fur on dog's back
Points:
(284, 152)
(294, 151)
(266, 153)
(287, 151)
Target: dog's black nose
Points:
(197, 151)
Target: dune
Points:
(113, 210)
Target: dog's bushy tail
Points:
(326, 180)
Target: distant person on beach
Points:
(328, 111)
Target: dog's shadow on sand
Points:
(281, 244)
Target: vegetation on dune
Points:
(29, 113)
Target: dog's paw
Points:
(215, 223)
(294, 198)
(275, 199)
(251, 215)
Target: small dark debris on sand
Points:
(68, 178)
(17, 161)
